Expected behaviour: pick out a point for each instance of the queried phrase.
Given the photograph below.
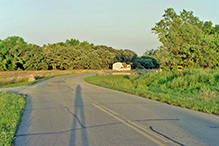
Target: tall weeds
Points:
(11, 77)
(14, 79)
(196, 89)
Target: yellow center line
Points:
(109, 110)
(138, 125)
(129, 125)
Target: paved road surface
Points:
(67, 111)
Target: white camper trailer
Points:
(119, 66)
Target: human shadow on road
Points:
(78, 119)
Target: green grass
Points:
(195, 89)
(11, 110)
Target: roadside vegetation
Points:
(185, 41)
(17, 55)
(196, 89)
(20, 78)
(11, 110)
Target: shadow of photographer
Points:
(78, 118)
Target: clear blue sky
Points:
(121, 24)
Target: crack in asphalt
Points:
(64, 131)
(76, 117)
(167, 137)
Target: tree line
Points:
(16, 54)
(186, 41)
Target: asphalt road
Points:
(67, 111)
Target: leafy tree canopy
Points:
(16, 54)
(186, 40)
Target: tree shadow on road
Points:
(78, 119)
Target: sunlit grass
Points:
(195, 89)
(11, 110)
(20, 78)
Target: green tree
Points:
(34, 59)
(145, 62)
(72, 42)
(208, 28)
(185, 40)
(106, 54)
(106, 58)
(125, 56)
(12, 51)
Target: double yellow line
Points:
(136, 126)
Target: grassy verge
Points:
(11, 110)
(18, 84)
(20, 78)
(195, 89)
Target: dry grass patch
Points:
(12, 77)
